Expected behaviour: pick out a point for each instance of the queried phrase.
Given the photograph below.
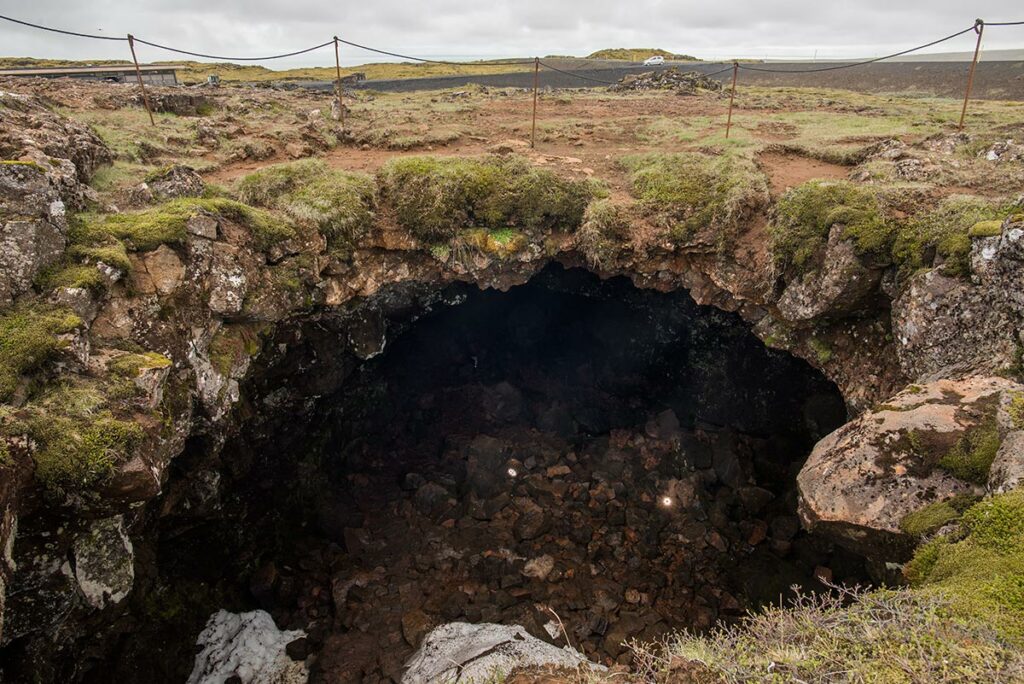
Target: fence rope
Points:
(56, 30)
(433, 61)
(857, 64)
(234, 59)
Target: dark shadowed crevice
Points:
(622, 456)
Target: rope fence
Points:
(978, 27)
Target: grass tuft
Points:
(970, 459)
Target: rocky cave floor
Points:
(588, 460)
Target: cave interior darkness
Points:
(622, 457)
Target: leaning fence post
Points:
(536, 76)
(338, 94)
(732, 97)
(138, 75)
(979, 28)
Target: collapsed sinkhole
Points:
(576, 450)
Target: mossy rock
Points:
(143, 231)
(28, 338)
(986, 229)
(971, 457)
(805, 215)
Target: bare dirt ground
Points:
(792, 134)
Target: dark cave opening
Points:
(618, 459)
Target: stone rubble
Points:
(682, 82)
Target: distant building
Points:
(162, 74)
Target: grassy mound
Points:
(338, 204)
(688, 192)
(638, 54)
(435, 197)
(805, 214)
(981, 570)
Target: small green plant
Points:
(821, 349)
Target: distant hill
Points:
(639, 54)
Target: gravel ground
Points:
(993, 80)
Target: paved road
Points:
(993, 80)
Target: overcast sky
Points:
(490, 28)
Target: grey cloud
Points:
(501, 27)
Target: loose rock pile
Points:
(683, 82)
(600, 542)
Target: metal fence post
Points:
(138, 75)
(979, 28)
(337, 69)
(732, 97)
(536, 76)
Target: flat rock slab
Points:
(462, 652)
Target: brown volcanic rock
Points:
(862, 480)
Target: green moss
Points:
(75, 454)
(930, 518)
(28, 337)
(436, 197)
(26, 164)
(971, 457)
(76, 275)
(1016, 410)
(944, 232)
(688, 192)
(986, 229)
(130, 365)
(233, 344)
(166, 224)
(805, 214)
(982, 571)
(821, 349)
(338, 204)
(113, 254)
